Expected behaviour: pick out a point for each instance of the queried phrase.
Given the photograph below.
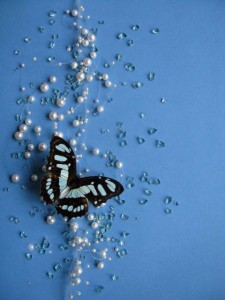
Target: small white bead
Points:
(53, 79)
(44, 87)
(60, 117)
(74, 65)
(28, 122)
(67, 11)
(31, 99)
(23, 128)
(73, 142)
(119, 164)
(100, 265)
(27, 154)
(105, 76)
(80, 76)
(96, 151)
(76, 123)
(60, 102)
(90, 217)
(37, 129)
(100, 108)
(42, 147)
(30, 247)
(93, 54)
(74, 12)
(18, 135)
(91, 38)
(89, 78)
(80, 99)
(74, 226)
(53, 115)
(108, 83)
(34, 177)
(87, 62)
(94, 225)
(84, 31)
(78, 270)
(85, 43)
(50, 220)
(15, 178)
(30, 147)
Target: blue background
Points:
(176, 256)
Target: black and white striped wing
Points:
(61, 171)
(96, 189)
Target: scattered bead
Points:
(44, 87)
(15, 178)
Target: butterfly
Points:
(61, 186)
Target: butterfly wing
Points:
(96, 189)
(72, 207)
(61, 171)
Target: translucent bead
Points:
(23, 234)
(155, 30)
(135, 27)
(119, 57)
(143, 201)
(50, 275)
(124, 234)
(123, 143)
(129, 67)
(28, 256)
(147, 192)
(121, 253)
(168, 200)
(167, 211)
(136, 85)
(121, 36)
(151, 76)
(99, 289)
(124, 217)
(159, 144)
(115, 277)
(57, 267)
(152, 131)
(140, 140)
(130, 43)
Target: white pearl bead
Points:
(27, 154)
(87, 62)
(80, 99)
(84, 93)
(42, 147)
(78, 270)
(100, 108)
(74, 12)
(89, 78)
(94, 225)
(30, 147)
(60, 117)
(23, 128)
(34, 177)
(84, 31)
(74, 226)
(96, 151)
(44, 87)
(77, 281)
(105, 76)
(18, 135)
(53, 79)
(15, 178)
(60, 102)
(31, 99)
(30, 247)
(22, 88)
(37, 129)
(50, 220)
(73, 142)
(80, 76)
(91, 38)
(100, 265)
(28, 122)
(85, 43)
(74, 65)
(90, 217)
(93, 54)
(119, 164)
(108, 83)
(53, 115)
(76, 123)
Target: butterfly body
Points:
(62, 188)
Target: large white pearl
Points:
(31, 99)
(28, 122)
(23, 128)
(80, 99)
(90, 217)
(60, 117)
(119, 164)
(100, 265)
(84, 31)
(108, 83)
(42, 147)
(74, 65)
(74, 12)
(91, 38)
(76, 123)
(27, 154)
(53, 115)
(15, 178)
(50, 220)
(94, 225)
(87, 62)
(78, 270)
(93, 54)
(77, 281)
(96, 151)
(30, 147)
(60, 102)
(80, 76)
(53, 79)
(37, 129)
(18, 135)
(100, 108)
(44, 87)
(105, 76)
(85, 43)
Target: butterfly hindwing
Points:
(97, 189)
(72, 207)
